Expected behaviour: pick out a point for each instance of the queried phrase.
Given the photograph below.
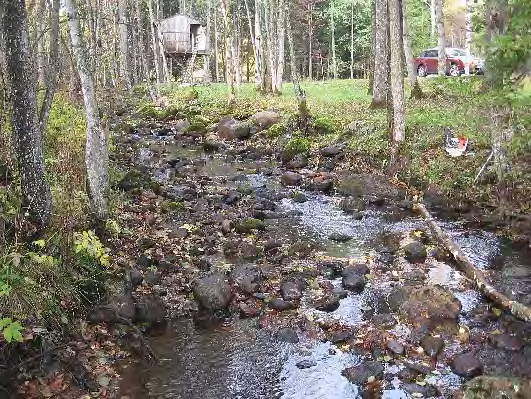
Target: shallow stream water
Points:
(236, 359)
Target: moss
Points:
(134, 179)
(324, 125)
(275, 131)
(297, 145)
(247, 225)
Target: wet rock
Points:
(291, 291)
(442, 255)
(494, 387)
(340, 293)
(287, 335)
(247, 278)
(415, 276)
(384, 320)
(360, 374)
(467, 365)
(418, 368)
(299, 161)
(272, 244)
(263, 120)
(324, 185)
(150, 309)
(248, 310)
(415, 252)
(205, 264)
(291, 179)
(352, 205)
(153, 277)
(134, 179)
(306, 364)
(118, 306)
(507, 342)
(432, 345)
(327, 304)
(427, 391)
(429, 301)
(331, 151)
(364, 184)
(378, 201)
(395, 347)
(516, 272)
(337, 337)
(249, 251)
(226, 226)
(232, 197)
(179, 233)
(246, 226)
(212, 292)
(281, 305)
(211, 143)
(405, 204)
(339, 237)
(136, 277)
(230, 129)
(299, 197)
(354, 277)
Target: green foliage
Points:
(89, 246)
(324, 125)
(11, 330)
(297, 145)
(419, 24)
(275, 131)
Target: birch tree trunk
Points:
(352, 41)
(253, 42)
(333, 39)
(310, 40)
(20, 67)
(41, 37)
(124, 51)
(370, 88)
(208, 75)
(381, 56)
(441, 45)
(154, 47)
(468, 35)
(229, 60)
(433, 20)
(416, 91)
(216, 46)
(160, 42)
(141, 40)
(270, 43)
(259, 50)
(52, 67)
(281, 32)
(96, 149)
(397, 81)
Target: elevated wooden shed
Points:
(182, 34)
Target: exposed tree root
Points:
(517, 309)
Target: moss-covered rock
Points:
(493, 387)
(134, 179)
(295, 146)
(246, 226)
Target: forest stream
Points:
(410, 325)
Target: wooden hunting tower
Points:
(185, 38)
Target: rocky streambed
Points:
(266, 276)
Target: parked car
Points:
(456, 60)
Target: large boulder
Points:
(467, 365)
(354, 277)
(150, 309)
(493, 387)
(431, 302)
(369, 185)
(415, 252)
(265, 119)
(212, 292)
(291, 291)
(230, 129)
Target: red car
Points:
(456, 60)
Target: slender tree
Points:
(398, 123)
(416, 91)
(333, 38)
(27, 134)
(441, 42)
(381, 56)
(124, 48)
(468, 34)
(230, 61)
(96, 148)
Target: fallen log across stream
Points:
(517, 309)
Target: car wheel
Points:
(454, 71)
(421, 71)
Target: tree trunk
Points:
(124, 51)
(381, 55)
(433, 19)
(40, 37)
(397, 81)
(474, 273)
(154, 39)
(370, 88)
(352, 41)
(441, 45)
(229, 52)
(208, 75)
(216, 46)
(468, 35)
(52, 67)
(27, 135)
(310, 40)
(281, 32)
(141, 40)
(255, 40)
(96, 149)
(333, 38)
(416, 91)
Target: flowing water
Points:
(236, 359)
